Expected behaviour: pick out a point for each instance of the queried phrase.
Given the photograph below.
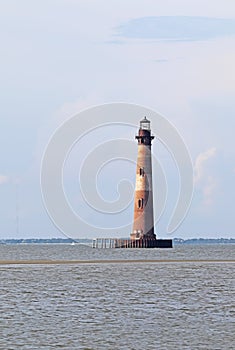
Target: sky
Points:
(176, 57)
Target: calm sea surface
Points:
(170, 303)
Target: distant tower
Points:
(143, 226)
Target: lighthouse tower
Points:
(142, 235)
(143, 226)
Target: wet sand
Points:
(127, 261)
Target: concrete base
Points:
(164, 243)
(144, 243)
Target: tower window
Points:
(140, 203)
(141, 171)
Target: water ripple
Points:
(118, 306)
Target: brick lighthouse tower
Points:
(142, 235)
(143, 226)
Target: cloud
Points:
(161, 60)
(205, 182)
(200, 162)
(208, 190)
(3, 179)
(177, 28)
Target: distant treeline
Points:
(41, 240)
(204, 240)
(86, 241)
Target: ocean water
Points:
(117, 299)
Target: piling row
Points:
(123, 243)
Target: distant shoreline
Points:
(176, 241)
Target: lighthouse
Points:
(143, 225)
(142, 235)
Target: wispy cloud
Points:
(203, 178)
(177, 28)
(161, 60)
(200, 162)
(209, 190)
(3, 179)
